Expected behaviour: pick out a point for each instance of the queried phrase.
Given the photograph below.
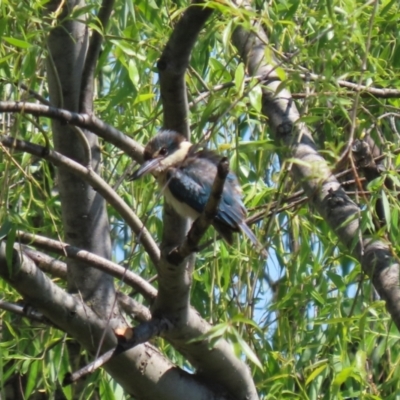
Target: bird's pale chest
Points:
(180, 207)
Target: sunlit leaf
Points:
(239, 78)
(317, 371)
(33, 377)
(248, 351)
(17, 42)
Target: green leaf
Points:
(386, 207)
(310, 119)
(128, 50)
(376, 184)
(334, 321)
(5, 228)
(239, 78)
(22, 44)
(360, 363)
(281, 73)
(214, 333)
(317, 371)
(251, 146)
(226, 37)
(33, 378)
(105, 390)
(242, 319)
(143, 97)
(255, 97)
(343, 375)
(317, 297)
(337, 280)
(133, 72)
(394, 222)
(247, 350)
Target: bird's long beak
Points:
(145, 168)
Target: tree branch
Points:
(85, 121)
(365, 90)
(173, 63)
(23, 311)
(115, 270)
(355, 87)
(46, 263)
(83, 210)
(34, 94)
(133, 308)
(58, 268)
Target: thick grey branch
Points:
(83, 210)
(208, 362)
(85, 121)
(322, 188)
(46, 263)
(133, 308)
(115, 270)
(173, 63)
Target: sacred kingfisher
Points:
(185, 174)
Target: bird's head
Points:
(165, 150)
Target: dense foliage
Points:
(307, 320)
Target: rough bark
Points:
(84, 215)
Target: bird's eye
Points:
(163, 151)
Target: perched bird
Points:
(186, 175)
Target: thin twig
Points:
(24, 311)
(363, 89)
(34, 94)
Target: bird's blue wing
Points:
(185, 189)
(192, 185)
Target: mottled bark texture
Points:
(84, 215)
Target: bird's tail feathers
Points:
(249, 233)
